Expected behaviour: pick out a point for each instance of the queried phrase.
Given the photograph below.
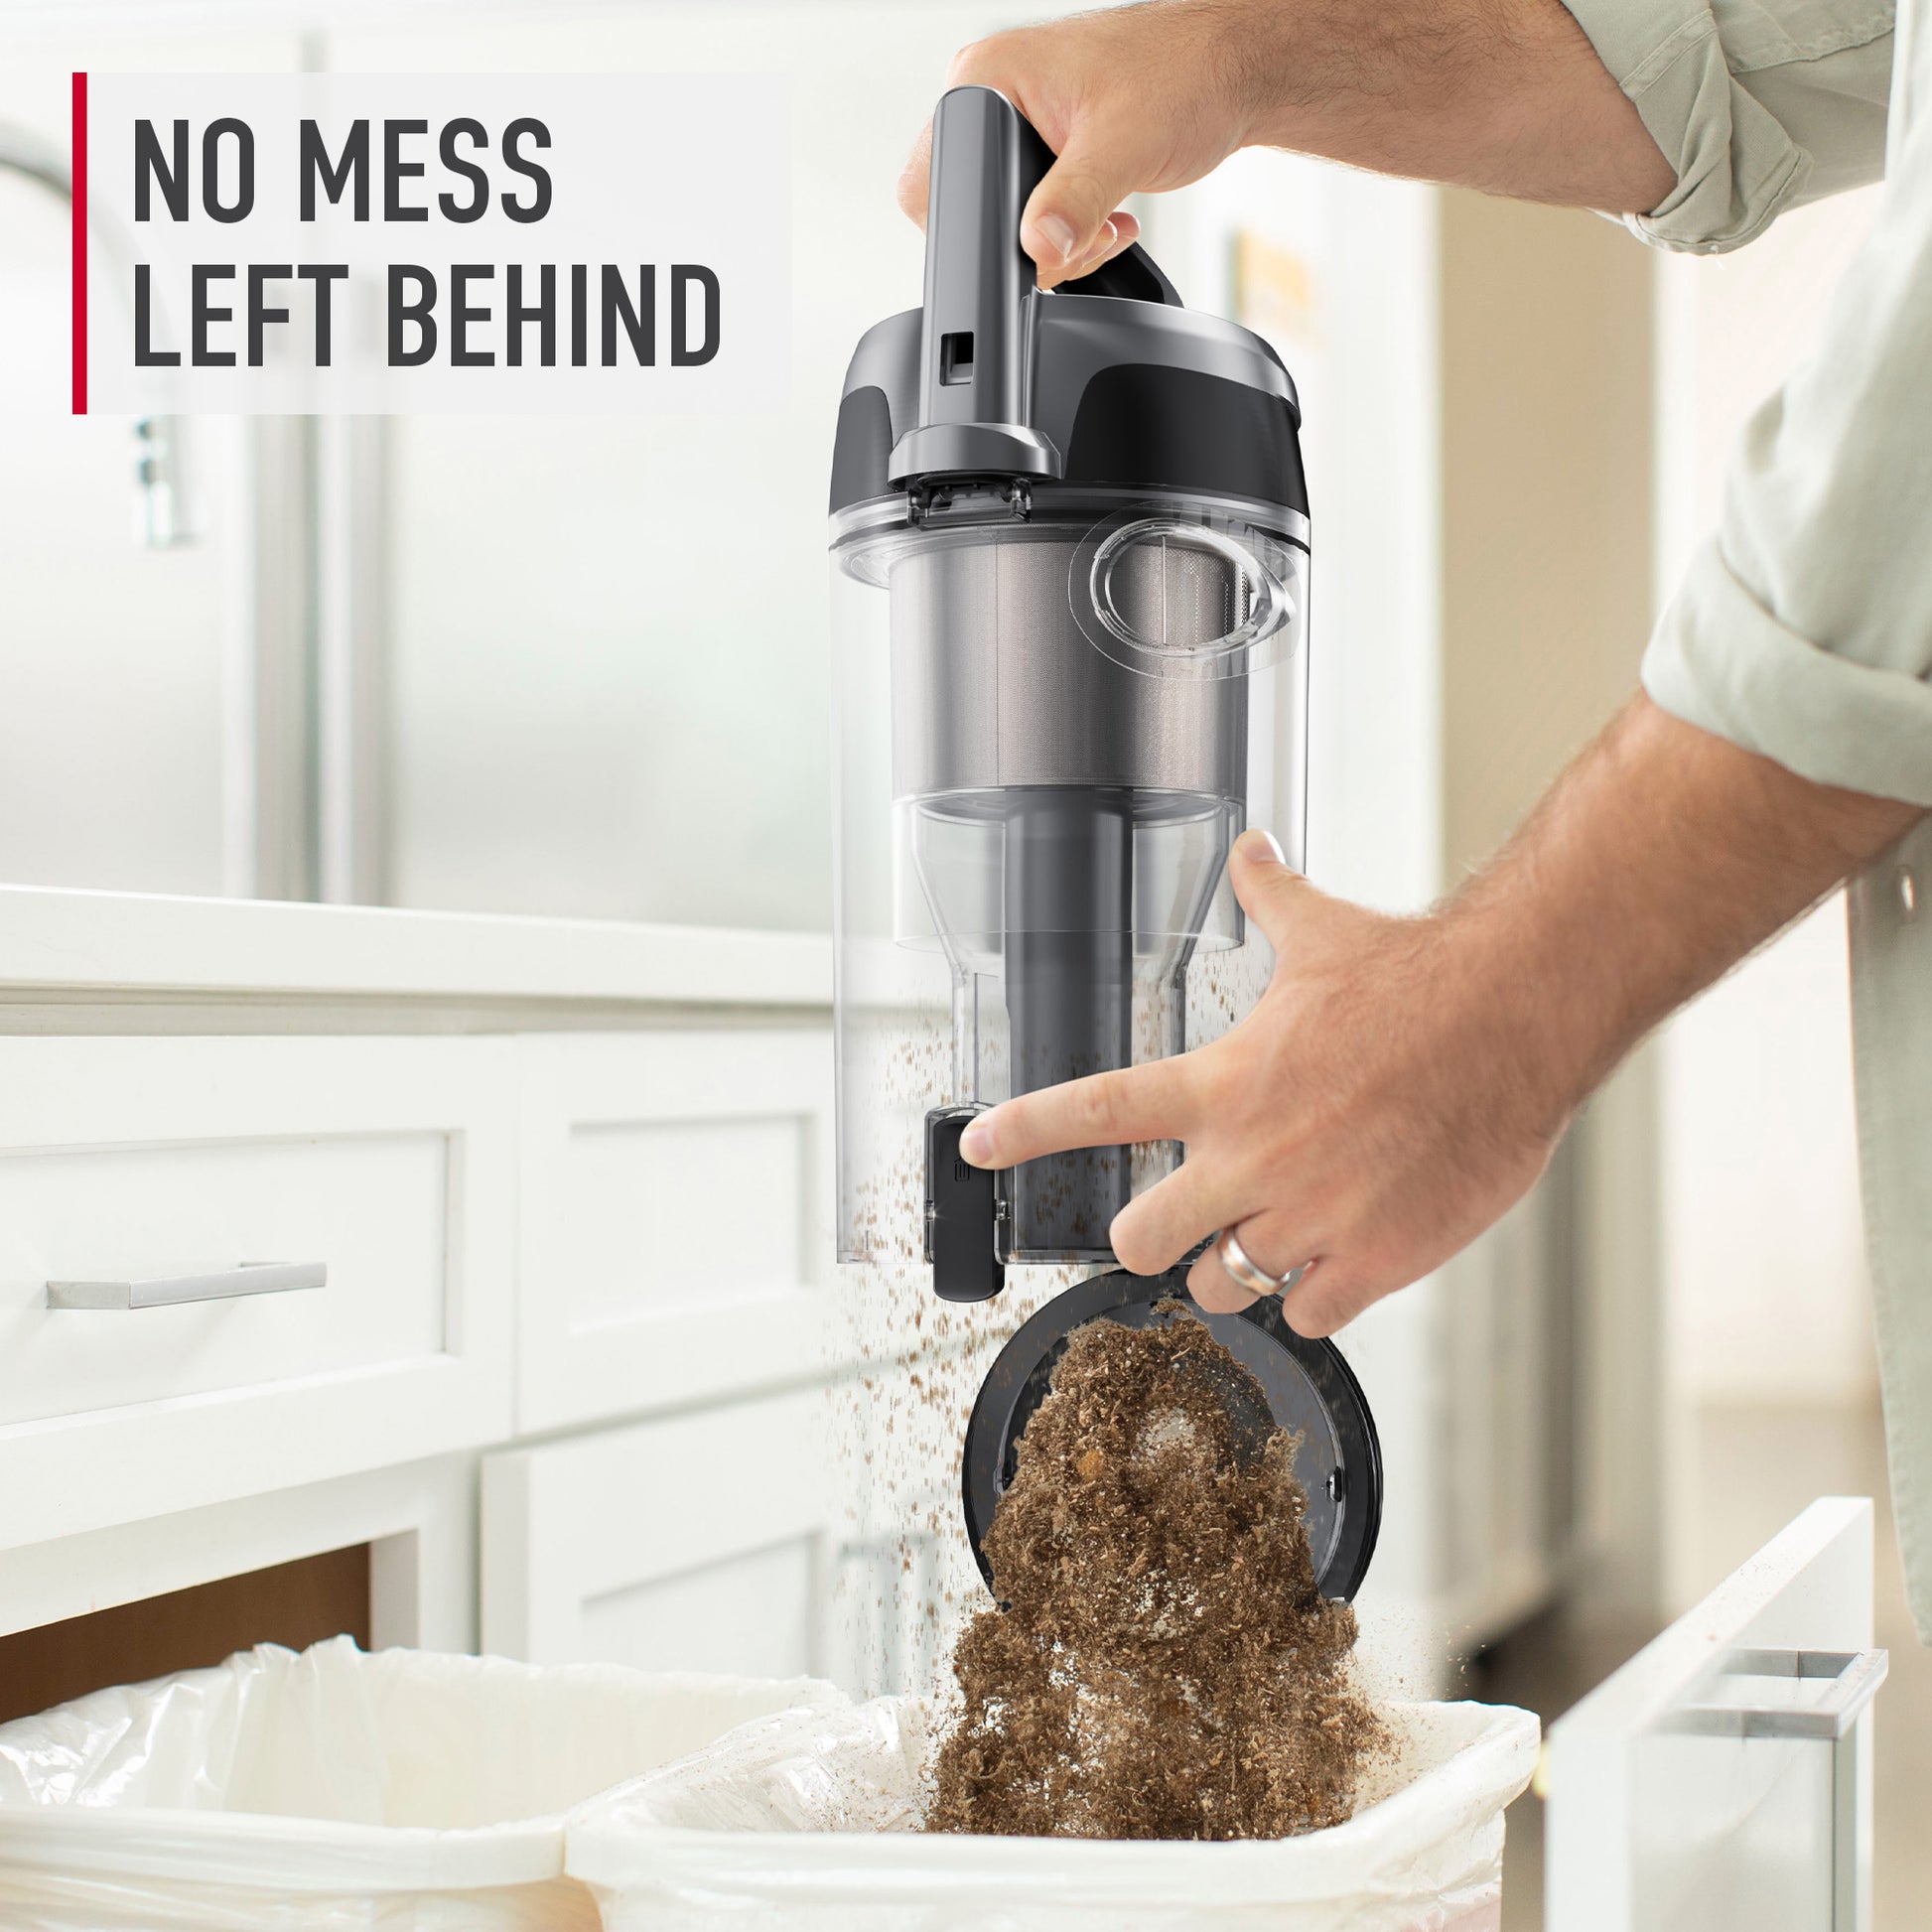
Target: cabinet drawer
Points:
(1722, 1778)
(675, 1238)
(372, 1209)
(387, 1164)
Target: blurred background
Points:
(578, 667)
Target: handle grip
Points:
(170, 1291)
(1854, 1677)
(1131, 276)
(976, 341)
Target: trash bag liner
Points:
(400, 1791)
(809, 1817)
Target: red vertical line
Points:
(80, 244)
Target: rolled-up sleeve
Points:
(1759, 104)
(1804, 629)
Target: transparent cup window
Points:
(1050, 731)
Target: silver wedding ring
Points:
(1256, 1281)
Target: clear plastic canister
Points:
(1056, 710)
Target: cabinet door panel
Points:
(754, 1611)
(674, 1241)
(697, 1542)
(1721, 1780)
(143, 1166)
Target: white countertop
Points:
(131, 942)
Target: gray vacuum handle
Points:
(976, 337)
(976, 365)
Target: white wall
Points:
(1764, 1242)
(113, 656)
(1763, 1247)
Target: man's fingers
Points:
(1327, 1297)
(1271, 893)
(1063, 225)
(1120, 231)
(1104, 244)
(1270, 1242)
(1154, 1229)
(1140, 1103)
(1210, 1286)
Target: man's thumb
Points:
(1064, 214)
(1271, 893)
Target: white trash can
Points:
(807, 1820)
(400, 1791)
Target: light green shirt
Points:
(1803, 630)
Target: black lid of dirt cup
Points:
(1307, 1386)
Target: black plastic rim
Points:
(1020, 1377)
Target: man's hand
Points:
(1501, 94)
(1403, 1081)
(1130, 99)
(1378, 1109)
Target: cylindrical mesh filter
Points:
(995, 683)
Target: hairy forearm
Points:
(1506, 95)
(1663, 857)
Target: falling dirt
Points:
(1163, 1665)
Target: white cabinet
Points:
(1721, 1780)
(389, 1164)
(674, 1239)
(696, 1542)
(558, 1177)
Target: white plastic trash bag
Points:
(807, 1820)
(404, 1791)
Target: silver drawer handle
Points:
(167, 1291)
(1853, 1676)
